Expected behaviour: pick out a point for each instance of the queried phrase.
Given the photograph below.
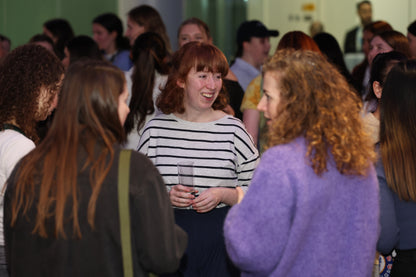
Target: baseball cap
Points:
(253, 28)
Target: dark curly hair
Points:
(196, 55)
(23, 73)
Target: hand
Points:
(180, 196)
(207, 200)
(240, 194)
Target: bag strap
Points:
(124, 211)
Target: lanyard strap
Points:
(124, 211)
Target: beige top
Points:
(372, 127)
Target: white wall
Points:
(338, 16)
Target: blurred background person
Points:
(145, 81)
(253, 46)
(60, 31)
(194, 29)
(411, 36)
(253, 119)
(315, 28)
(30, 79)
(309, 209)
(329, 46)
(381, 66)
(81, 47)
(388, 41)
(4, 46)
(107, 32)
(61, 204)
(145, 18)
(354, 38)
(396, 168)
(44, 41)
(193, 128)
(361, 72)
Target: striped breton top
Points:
(222, 151)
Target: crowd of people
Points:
(281, 165)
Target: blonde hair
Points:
(316, 102)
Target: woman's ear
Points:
(377, 88)
(180, 84)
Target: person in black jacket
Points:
(61, 204)
(354, 38)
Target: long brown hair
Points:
(316, 102)
(87, 122)
(398, 129)
(150, 19)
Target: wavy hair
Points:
(86, 124)
(150, 19)
(198, 55)
(316, 102)
(148, 55)
(23, 73)
(398, 129)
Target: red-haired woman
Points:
(194, 128)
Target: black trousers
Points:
(404, 264)
(206, 255)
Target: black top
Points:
(157, 242)
(236, 94)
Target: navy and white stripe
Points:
(222, 151)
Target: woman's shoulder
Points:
(293, 151)
(15, 143)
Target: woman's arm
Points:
(160, 242)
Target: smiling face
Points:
(133, 30)
(106, 41)
(269, 102)
(201, 88)
(377, 46)
(192, 32)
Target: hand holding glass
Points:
(186, 175)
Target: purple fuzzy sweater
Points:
(294, 223)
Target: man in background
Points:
(253, 50)
(354, 38)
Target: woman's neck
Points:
(376, 113)
(206, 116)
(111, 50)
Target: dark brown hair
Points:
(23, 73)
(150, 19)
(86, 123)
(397, 130)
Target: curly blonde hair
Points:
(316, 102)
